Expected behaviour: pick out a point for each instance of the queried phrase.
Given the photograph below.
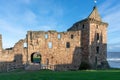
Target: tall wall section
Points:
(98, 43)
(13, 58)
(64, 50)
(83, 26)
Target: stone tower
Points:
(97, 40)
(93, 39)
(0, 43)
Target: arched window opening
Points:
(36, 58)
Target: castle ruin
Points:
(84, 45)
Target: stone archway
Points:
(36, 57)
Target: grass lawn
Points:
(66, 75)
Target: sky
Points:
(19, 16)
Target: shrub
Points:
(84, 66)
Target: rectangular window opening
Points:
(46, 36)
(97, 36)
(25, 45)
(68, 45)
(50, 45)
(72, 36)
(59, 36)
(97, 49)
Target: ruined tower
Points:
(97, 40)
(93, 39)
(0, 43)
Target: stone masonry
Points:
(83, 43)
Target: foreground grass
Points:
(67, 75)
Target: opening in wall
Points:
(59, 36)
(46, 36)
(72, 36)
(97, 49)
(97, 36)
(50, 45)
(68, 45)
(83, 26)
(36, 57)
(25, 45)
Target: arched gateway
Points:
(36, 57)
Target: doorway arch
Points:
(36, 57)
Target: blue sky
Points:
(19, 16)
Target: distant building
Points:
(82, 46)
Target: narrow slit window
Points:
(97, 36)
(68, 45)
(50, 45)
(72, 36)
(97, 49)
(83, 26)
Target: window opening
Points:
(68, 45)
(59, 36)
(97, 36)
(50, 45)
(97, 49)
(83, 26)
(72, 36)
(46, 36)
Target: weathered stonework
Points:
(84, 42)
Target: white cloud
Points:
(19, 16)
(111, 14)
(9, 28)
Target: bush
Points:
(84, 66)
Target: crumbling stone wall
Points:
(58, 54)
(85, 41)
(13, 58)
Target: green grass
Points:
(63, 75)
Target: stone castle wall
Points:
(84, 42)
(13, 58)
(58, 54)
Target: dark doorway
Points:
(36, 57)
